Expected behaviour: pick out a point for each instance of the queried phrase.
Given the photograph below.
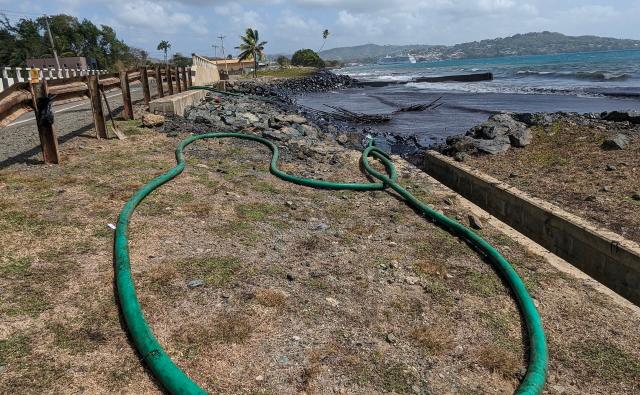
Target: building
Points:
(76, 62)
(233, 66)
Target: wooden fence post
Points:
(184, 78)
(144, 78)
(46, 128)
(189, 80)
(169, 79)
(127, 112)
(96, 107)
(159, 81)
(178, 87)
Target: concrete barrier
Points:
(205, 71)
(609, 258)
(176, 104)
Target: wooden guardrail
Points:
(39, 96)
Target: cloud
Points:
(192, 25)
(155, 16)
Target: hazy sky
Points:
(192, 25)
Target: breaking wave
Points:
(579, 75)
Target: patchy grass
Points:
(607, 360)
(232, 328)
(565, 165)
(14, 268)
(271, 298)
(256, 212)
(500, 360)
(14, 348)
(431, 339)
(483, 284)
(75, 340)
(216, 271)
(388, 376)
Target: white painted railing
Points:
(13, 75)
(204, 71)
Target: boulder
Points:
(521, 138)
(309, 131)
(618, 142)
(289, 131)
(275, 123)
(249, 117)
(622, 116)
(534, 119)
(294, 119)
(275, 135)
(475, 222)
(460, 144)
(152, 120)
(496, 146)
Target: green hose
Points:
(175, 381)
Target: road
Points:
(19, 141)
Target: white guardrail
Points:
(13, 75)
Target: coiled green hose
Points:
(176, 381)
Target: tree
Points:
(179, 60)
(306, 57)
(28, 38)
(164, 46)
(325, 35)
(252, 48)
(283, 61)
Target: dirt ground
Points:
(305, 291)
(565, 165)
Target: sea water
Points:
(575, 82)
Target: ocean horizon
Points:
(598, 73)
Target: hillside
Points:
(519, 44)
(369, 51)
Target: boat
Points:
(397, 59)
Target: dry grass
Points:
(303, 308)
(498, 359)
(566, 165)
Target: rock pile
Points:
(322, 81)
(250, 115)
(506, 130)
(497, 135)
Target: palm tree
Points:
(164, 46)
(325, 35)
(252, 48)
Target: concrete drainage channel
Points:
(605, 256)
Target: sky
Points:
(287, 25)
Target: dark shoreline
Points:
(289, 94)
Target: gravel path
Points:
(20, 143)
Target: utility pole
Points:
(53, 47)
(215, 51)
(226, 65)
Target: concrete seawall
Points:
(176, 104)
(604, 255)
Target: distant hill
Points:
(519, 44)
(369, 51)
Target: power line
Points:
(19, 13)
